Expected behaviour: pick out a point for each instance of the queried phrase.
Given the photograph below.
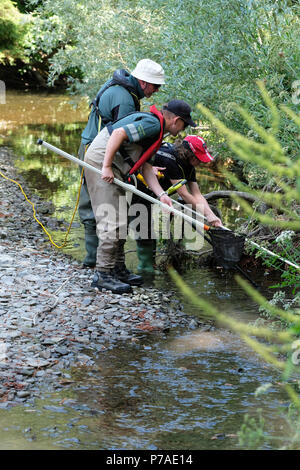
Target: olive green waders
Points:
(109, 203)
(88, 220)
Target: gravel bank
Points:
(50, 317)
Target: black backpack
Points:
(120, 77)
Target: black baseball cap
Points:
(182, 109)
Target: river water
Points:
(181, 390)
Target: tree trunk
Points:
(247, 196)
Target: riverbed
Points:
(86, 370)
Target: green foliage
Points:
(280, 299)
(281, 193)
(13, 30)
(270, 157)
(251, 435)
(285, 246)
(254, 435)
(8, 26)
(211, 54)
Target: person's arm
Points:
(152, 182)
(196, 200)
(118, 136)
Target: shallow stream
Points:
(174, 390)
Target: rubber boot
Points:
(146, 256)
(91, 245)
(107, 280)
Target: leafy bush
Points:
(8, 24)
(13, 29)
(211, 54)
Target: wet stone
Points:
(27, 372)
(62, 350)
(55, 409)
(23, 394)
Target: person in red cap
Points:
(178, 161)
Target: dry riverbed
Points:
(51, 320)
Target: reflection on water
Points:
(28, 117)
(181, 390)
(22, 109)
(185, 390)
(199, 340)
(154, 399)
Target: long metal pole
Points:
(125, 186)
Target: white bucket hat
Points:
(149, 71)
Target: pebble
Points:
(50, 317)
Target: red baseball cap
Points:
(199, 148)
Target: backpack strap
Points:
(154, 147)
(149, 152)
(116, 80)
(95, 102)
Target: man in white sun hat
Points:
(150, 76)
(118, 97)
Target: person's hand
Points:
(165, 199)
(214, 221)
(157, 169)
(107, 174)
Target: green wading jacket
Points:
(118, 97)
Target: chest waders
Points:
(122, 273)
(85, 208)
(146, 248)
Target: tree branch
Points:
(247, 196)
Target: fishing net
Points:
(227, 247)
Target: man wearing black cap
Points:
(182, 109)
(135, 134)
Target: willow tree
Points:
(208, 51)
(211, 54)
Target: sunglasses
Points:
(157, 87)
